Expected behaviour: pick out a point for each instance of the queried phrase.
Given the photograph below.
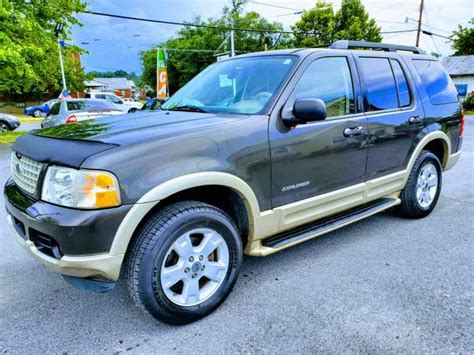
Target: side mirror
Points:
(307, 110)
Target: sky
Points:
(115, 44)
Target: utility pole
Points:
(232, 44)
(62, 65)
(58, 29)
(418, 31)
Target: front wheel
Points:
(4, 127)
(421, 192)
(36, 113)
(184, 262)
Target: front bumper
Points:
(71, 242)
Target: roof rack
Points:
(345, 44)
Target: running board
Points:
(328, 224)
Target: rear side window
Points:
(404, 98)
(55, 109)
(329, 79)
(380, 84)
(439, 87)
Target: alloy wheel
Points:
(194, 267)
(427, 185)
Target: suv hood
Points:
(135, 127)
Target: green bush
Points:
(468, 102)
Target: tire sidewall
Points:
(426, 158)
(152, 294)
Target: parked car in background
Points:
(153, 104)
(128, 105)
(39, 110)
(8, 122)
(72, 111)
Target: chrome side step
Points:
(328, 224)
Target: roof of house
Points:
(94, 83)
(461, 65)
(116, 83)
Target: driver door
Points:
(320, 156)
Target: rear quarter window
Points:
(436, 81)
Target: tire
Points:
(132, 110)
(36, 113)
(414, 204)
(154, 253)
(4, 127)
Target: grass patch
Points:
(469, 112)
(10, 137)
(30, 119)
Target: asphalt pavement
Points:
(28, 126)
(384, 284)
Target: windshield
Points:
(243, 86)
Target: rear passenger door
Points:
(393, 110)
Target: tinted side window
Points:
(329, 79)
(438, 85)
(55, 109)
(380, 84)
(402, 84)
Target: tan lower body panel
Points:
(290, 216)
(256, 248)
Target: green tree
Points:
(353, 23)
(29, 63)
(463, 40)
(316, 27)
(194, 48)
(320, 26)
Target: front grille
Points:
(25, 172)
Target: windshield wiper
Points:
(189, 108)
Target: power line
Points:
(222, 28)
(275, 6)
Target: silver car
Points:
(74, 110)
(8, 122)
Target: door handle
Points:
(415, 119)
(353, 131)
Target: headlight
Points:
(85, 189)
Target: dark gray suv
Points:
(255, 154)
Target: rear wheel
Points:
(37, 113)
(184, 262)
(421, 192)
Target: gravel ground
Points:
(384, 284)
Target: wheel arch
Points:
(191, 187)
(438, 143)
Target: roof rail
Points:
(345, 44)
